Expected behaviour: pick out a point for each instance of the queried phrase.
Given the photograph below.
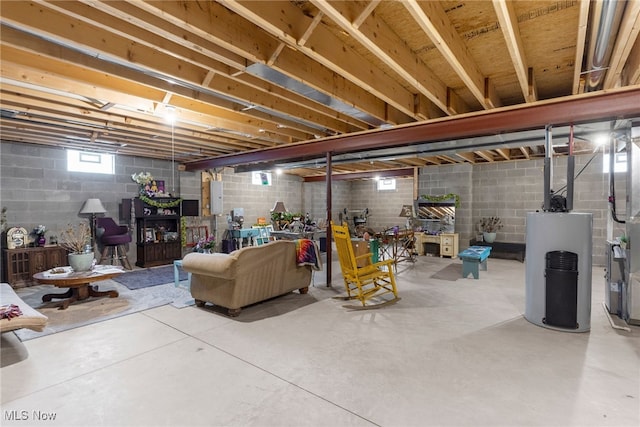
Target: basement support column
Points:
(328, 239)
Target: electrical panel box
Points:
(216, 197)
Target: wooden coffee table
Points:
(79, 284)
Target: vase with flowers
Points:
(207, 245)
(489, 227)
(77, 240)
(39, 231)
(144, 180)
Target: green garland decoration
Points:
(162, 205)
(442, 198)
(183, 231)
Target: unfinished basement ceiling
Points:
(255, 75)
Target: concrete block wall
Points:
(384, 205)
(37, 189)
(507, 190)
(315, 199)
(454, 179)
(256, 200)
(511, 189)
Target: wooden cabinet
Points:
(449, 245)
(19, 265)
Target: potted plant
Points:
(489, 226)
(77, 240)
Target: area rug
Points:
(94, 310)
(139, 279)
(451, 272)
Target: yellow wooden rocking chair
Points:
(367, 281)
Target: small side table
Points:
(177, 265)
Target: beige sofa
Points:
(246, 276)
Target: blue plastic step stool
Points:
(472, 257)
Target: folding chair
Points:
(366, 282)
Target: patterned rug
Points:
(95, 310)
(138, 279)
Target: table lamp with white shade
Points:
(93, 207)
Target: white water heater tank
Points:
(551, 298)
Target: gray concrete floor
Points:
(450, 353)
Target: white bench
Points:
(30, 318)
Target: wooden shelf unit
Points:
(158, 230)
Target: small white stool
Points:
(177, 264)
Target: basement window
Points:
(619, 165)
(88, 162)
(386, 184)
(261, 178)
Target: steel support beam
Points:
(603, 105)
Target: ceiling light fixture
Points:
(170, 114)
(601, 140)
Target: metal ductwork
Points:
(604, 20)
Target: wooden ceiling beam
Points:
(65, 111)
(435, 23)
(469, 157)
(632, 69)
(509, 26)
(583, 22)
(155, 36)
(447, 158)
(486, 155)
(157, 26)
(320, 46)
(76, 132)
(216, 117)
(389, 173)
(504, 153)
(235, 31)
(379, 39)
(626, 38)
(118, 47)
(365, 12)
